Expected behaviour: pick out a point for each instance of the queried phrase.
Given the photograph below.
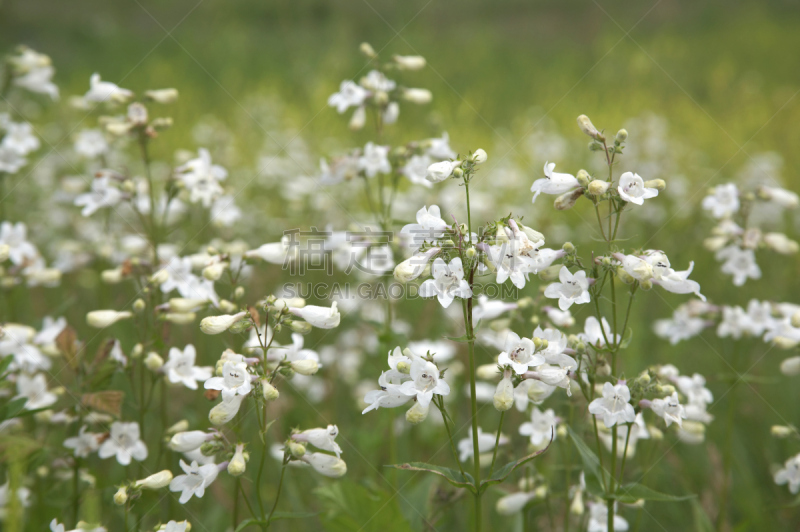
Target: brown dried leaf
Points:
(104, 350)
(109, 401)
(211, 395)
(255, 316)
(66, 344)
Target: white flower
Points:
(740, 263)
(175, 526)
(220, 324)
(377, 81)
(105, 91)
(592, 333)
(235, 380)
(438, 172)
(429, 227)
(670, 409)
(201, 178)
(226, 410)
(155, 481)
(180, 367)
(416, 170)
(780, 196)
(326, 464)
(374, 160)
(274, 253)
(321, 438)
(723, 202)
(694, 388)
(15, 237)
(503, 397)
(631, 188)
(519, 354)
(84, 443)
(553, 182)
(513, 503)
(598, 519)
(20, 138)
(238, 465)
(33, 71)
(448, 282)
(100, 319)
(322, 317)
(195, 481)
(389, 394)
(409, 62)
(681, 326)
(790, 474)
(560, 318)
(103, 195)
(541, 428)
(184, 442)
(551, 376)
(124, 443)
(34, 389)
(556, 345)
(414, 266)
(10, 160)
(573, 288)
(486, 443)
(439, 148)
(350, 95)
(489, 309)
(614, 407)
(424, 383)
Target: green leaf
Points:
(463, 338)
(590, 463)
(369, 508)
(5, 363)
(626, 340)
(13, 408)
(293, 515)
(630, 493)
(453, 476)
(499, 475)
(248, 522)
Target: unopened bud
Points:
(622, 136)
(269, 391)
(121, 496)
(569, 247)
(646, 285)
(598, 187)
(417, 413)
(305, 367)
(302, 327)
(567, 200)
(479, 157)
(583, 177)
(238, 293)
(139, 305)
(781, 431)
(791, 366)
(296, 449)
(367, 49)
(588, 128)
(153, 361)
(658, 184)
(504, 395)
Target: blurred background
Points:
(707, 90)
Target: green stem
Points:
(440, 405)
(611, 487)
(476, 455)
(599, 453)
(236, 503)
(152, 193)
(280, 487)
(497, 442)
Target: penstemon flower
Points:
(124, 443)
(614, 407)
(572, 289)
(180, 367)
(195, 480)
(447, 283)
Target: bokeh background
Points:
(707, 90)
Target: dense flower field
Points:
(409, 337)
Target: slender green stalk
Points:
(625, 452)
(497, 442)
(440, 405)
(476, 455)
(611, 487)
(236, 502)
(599, 453)
(280, 487)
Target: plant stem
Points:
(610, 494)
(599, 453)
(476, 455)
(497, 442)
(280, 487)
(440, 405)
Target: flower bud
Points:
(180, 426)
(622, 136)
(105, 318)
(180, 318)
(588, 128)
(567, 200)
(163, 96)
(576, 508)
(471, 252)
(220, 324)
(646, 285)
(227, 307)
(479, 157)
(487, 371)
(783, 342)
(155, 481)
(418, 96)
(139, 305)
(513, 503)
(237, 465)
(305, 367)
(781, 431)
(153, 361)
(504, 395)
(184, 442)
(417, 413)
(226, 410)
(182, 304)
(569, 247)
(238, 293)
(160, 277)
(409, 62)
(598, 187)
(112, 276)
(658, 184)
(438, 172)
(624, 276)
(583, 178)
(121, 496)
(214, 271)
(359, 119)
(5, 251)
(367, 49)
(326, 464)
(414, 266)
(269, 392)
(137, 351)
(780, 243)
(791, 366)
